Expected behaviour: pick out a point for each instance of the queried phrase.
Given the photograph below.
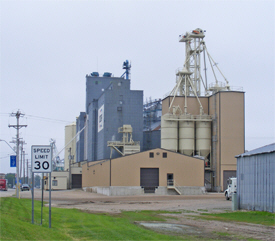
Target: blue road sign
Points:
(12, 161)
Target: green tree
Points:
(11, 179)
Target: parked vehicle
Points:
(231, 188)
(4, 184)
(25, 187)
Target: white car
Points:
(25, 187)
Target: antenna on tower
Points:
(127, 66)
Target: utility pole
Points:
(24, 167)
(24, 176)
(22, 161)
(18, 114)
(22, 155)
(27, 171)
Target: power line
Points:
(49, 119)
(2, 157)
(39, 117)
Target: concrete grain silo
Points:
(169, 132)
(186, 135)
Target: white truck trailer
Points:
(231, 188)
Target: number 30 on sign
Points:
(41, 159)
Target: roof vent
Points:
(107, 74)
(95, 74)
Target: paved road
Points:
(8, 193)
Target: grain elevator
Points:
(110, 104)
(201, 119)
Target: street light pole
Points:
(8, 145)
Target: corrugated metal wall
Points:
(80, 123)
(256, 182)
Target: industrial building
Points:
(204, 120)
(67, 173)
(114, 161)
(200, 131)
(256, 179)
(156, 171)
(80, 126)
(152, 112)
(110, 104)
(71, 166)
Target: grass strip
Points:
(257, 217)
(73, 224)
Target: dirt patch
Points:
(186, 221)
(171, 228)
(225, 230)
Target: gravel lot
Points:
(190, 207)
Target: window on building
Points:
(54, 182)
(151, 154)
(164, 154)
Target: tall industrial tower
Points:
(190, 79)
(204, 120)
(110, 104)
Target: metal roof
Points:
(265, 149)
(154, 126)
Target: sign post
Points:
(41, 163)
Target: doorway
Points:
(170, 179)
(149, 179)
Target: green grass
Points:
(264, 218)
(187, 211)
(73, 224)
(202, 210)
(147, 216)
(222, 233)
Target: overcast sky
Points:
(48, 47)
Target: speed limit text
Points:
(41, 150)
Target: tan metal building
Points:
(156, 171)
(70, 143)
(74, 169)
(71, 176)
(227, 131)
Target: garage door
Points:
(149, 179)
(76, 180)
(226, 175)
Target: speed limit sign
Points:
(41, 159)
